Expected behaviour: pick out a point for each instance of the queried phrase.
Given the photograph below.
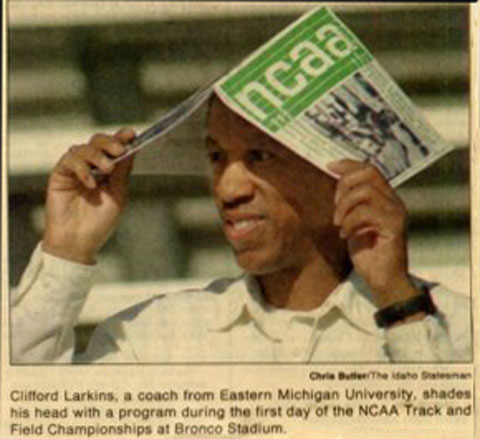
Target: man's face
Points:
(276, 208)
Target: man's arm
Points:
(372, 219)
(45, 308)
(81, 214)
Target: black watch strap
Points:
(386, 317)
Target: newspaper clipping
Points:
(239, 220)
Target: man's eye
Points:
(259, 155)
(215, 156)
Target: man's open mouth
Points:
(241, 227)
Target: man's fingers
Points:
(111, 145)
(125, 135)
(99, 154)
(73, 165)
(118, 178)
(364, 199)
(341, 167)
(363, 194)
(365, 209)
(353, 173)
(94, 157)
(360, 220)
(122, 169)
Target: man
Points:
(295, 231)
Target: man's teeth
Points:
(243, 224)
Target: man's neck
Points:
(303, 288)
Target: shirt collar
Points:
(242, 301)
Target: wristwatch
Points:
(387, 317)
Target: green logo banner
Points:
(293, 70)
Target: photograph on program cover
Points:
(299, 196)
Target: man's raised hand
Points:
(81, 212)
(372, 218)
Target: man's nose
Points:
(235, 185)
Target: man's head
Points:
(276, 208)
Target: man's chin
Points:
(254, 263)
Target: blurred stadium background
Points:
(76, 68)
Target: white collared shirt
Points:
(227, 321)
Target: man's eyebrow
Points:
(210, 142)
